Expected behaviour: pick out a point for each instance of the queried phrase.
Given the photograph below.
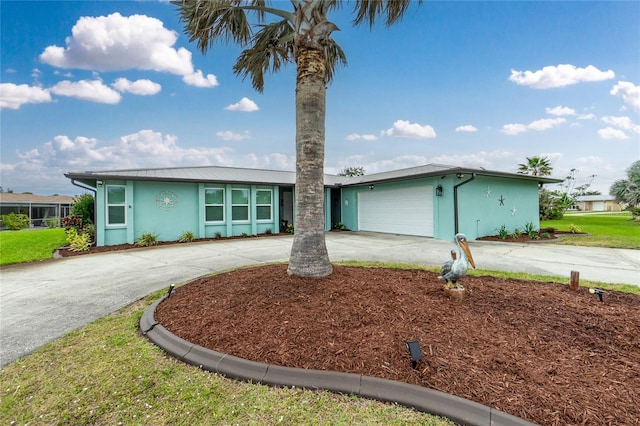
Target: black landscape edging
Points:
(459, 410)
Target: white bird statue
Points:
(456, 268)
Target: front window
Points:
(116, 205)
(240, 205)
(214, 204)
(263, 204)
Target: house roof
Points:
(215, 174)
(596, 198)
(11, 198)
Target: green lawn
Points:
(28, 245)
(605, 230)
(108, 374)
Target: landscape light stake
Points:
(414, 350)
(171, 287)
(598, 292)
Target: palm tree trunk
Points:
(309, 257)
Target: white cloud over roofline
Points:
(244, 105)
(405, 129)
(88, 90)
(13, 96)
(116, 43)
(629, 92)
(559, 76)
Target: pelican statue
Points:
(456, 268)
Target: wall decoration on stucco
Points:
(488, 192)
(502, 199)
(166, 200)
(513, 211)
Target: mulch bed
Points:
(539, 351)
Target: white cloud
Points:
(559, 76)
(629, 92)
(244, 105)
(545, 123)
(611, 133)
(623, 123)
(116, 42)
(356, 136)
(88, 90)
(13, 96)
(404, 129)
(271, 161)
(229, 135)
(514, 129)
(466, 129)
(198, 80)
(141, 87)
(589, 116)
(538, 125)
(560, 110)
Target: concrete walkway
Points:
(40, 302)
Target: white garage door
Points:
(407, 211)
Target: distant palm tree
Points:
(536, 166)
(628, 190)
(302, 36)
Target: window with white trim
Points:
(240, 205)
(214, 205)
(116, 205)
(263, 204)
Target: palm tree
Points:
(302, 36)
(536, 166)
(628, 190)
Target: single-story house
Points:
(431, 200)
(597, 203)
(41, 209)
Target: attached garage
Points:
(406, 211)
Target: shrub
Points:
(15, 221)
(516, 234)
(574, 229)
(78, 241)
(245, 235)
(84, 207)
(187, 237)
(339, 225)
(290, 229)
(503, 232)
(53, 223)
(531, 231)
(72, 221)
(545, 235)
(147, 239)
(218, 235)
(268, 231)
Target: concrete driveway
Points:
(40, 302)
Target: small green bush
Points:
(84, 207)
(53, 223)
(545, 235)
(147, 239)
(78, 241)
(187, 237)
(268, 231)
(218, 235)
(290, 229)
(516, 234)
(15, 221)
(574, 229)
(503, 232)
(339, 225)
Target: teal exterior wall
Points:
(488, 203)
(480, 211)
(169, 209)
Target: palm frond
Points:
(369, 10)
(272, 48)
(334, 56)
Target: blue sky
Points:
(116, 84)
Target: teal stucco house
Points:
(432, 201)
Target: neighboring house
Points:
(432, 201)
(41, 209)
(597, 203)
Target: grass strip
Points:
(29, 245)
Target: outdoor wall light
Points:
(371, 187)
(439, 191)
(414, 350)
(99, 182)
(459, 175)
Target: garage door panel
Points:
(406, 211)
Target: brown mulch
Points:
(539, 351)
